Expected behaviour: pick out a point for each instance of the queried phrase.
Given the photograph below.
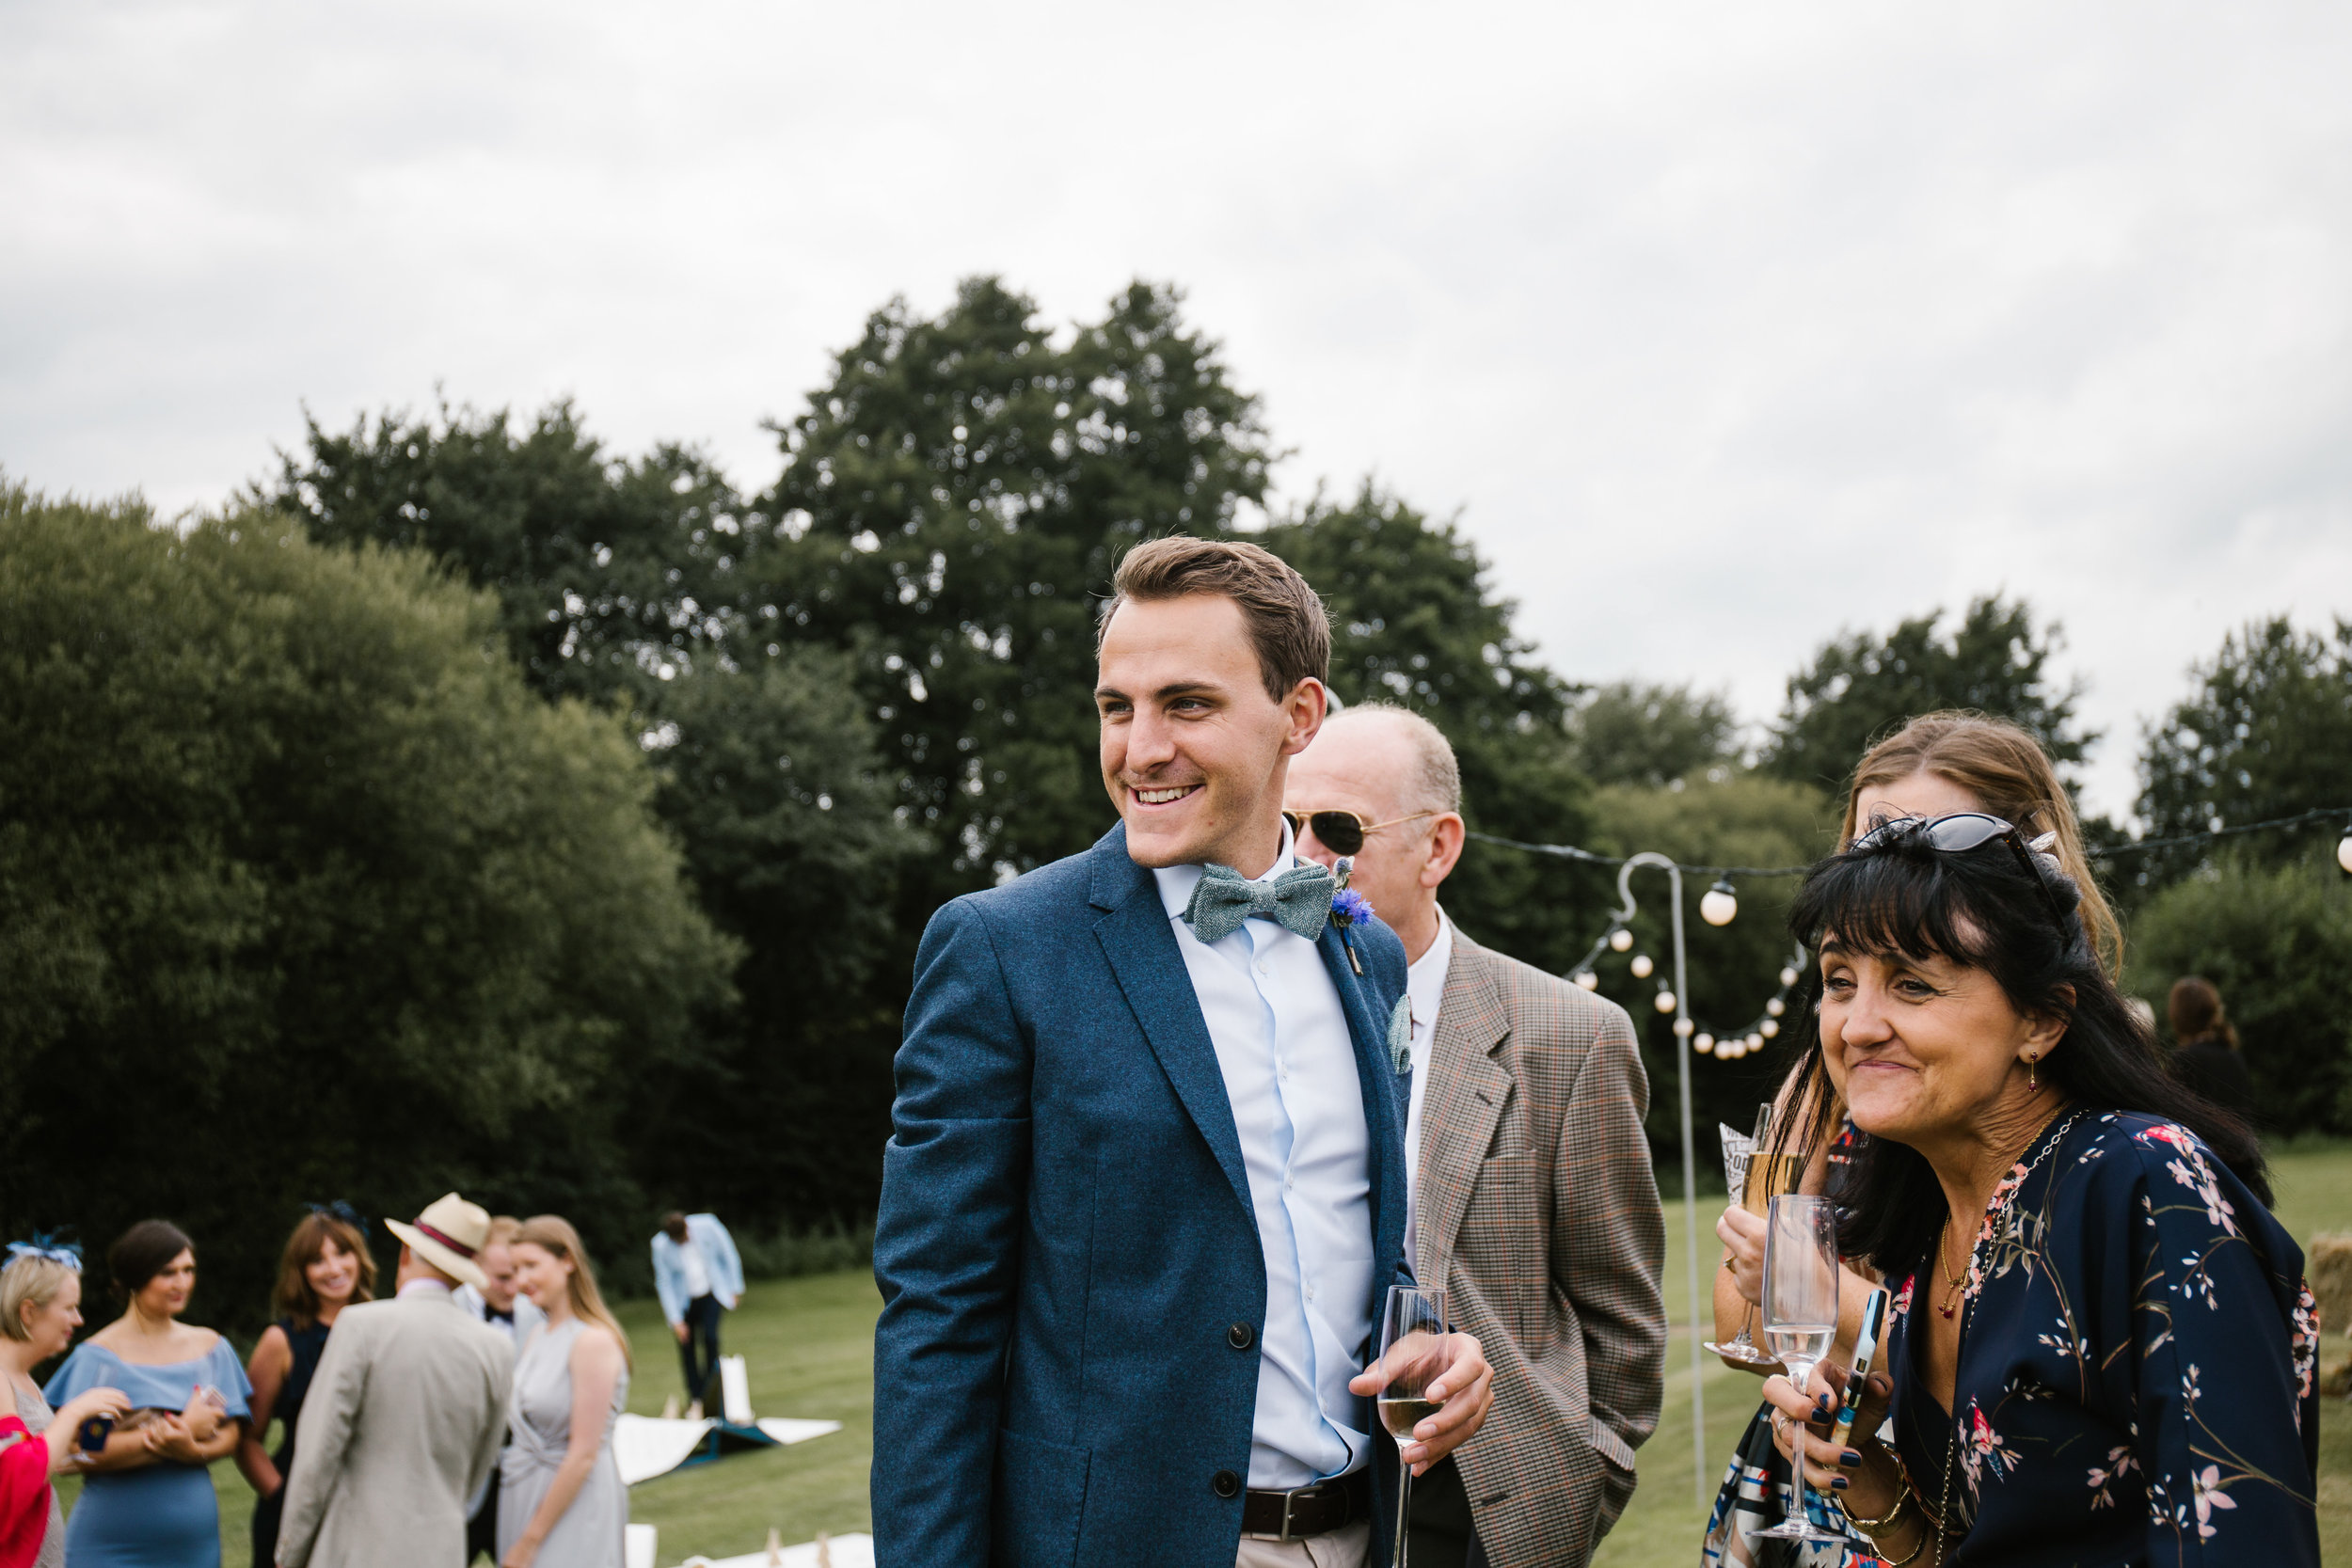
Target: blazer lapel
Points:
(1384, 1090)
(1140, 947)
(1462, 1100)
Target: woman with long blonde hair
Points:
(560, 1494)
(1938, 765)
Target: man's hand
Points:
(1464, 1382)
(681, 1331)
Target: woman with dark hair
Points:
(148, 1502)
(2101, 1350)
(327, 1266)
(2205, 1050)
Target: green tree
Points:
(1630, 732)
(1415, 622)
(611, 574)
(311, 896)
(1861, 687)
(2266, 732)
(950, 505)
(2276, 941)
(624, 580)
(1734, 970)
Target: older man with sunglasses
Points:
(1533, 1200)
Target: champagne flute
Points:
(1412, 1334)
(1800, 1317)
(1738, 1155)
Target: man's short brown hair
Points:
(1286, 621)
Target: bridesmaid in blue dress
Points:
(148, 1502)
(2103, 1350)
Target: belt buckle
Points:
(1289, 1498)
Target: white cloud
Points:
(1723, 327)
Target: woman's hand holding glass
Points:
(1863, 1472)
(1742, 1233)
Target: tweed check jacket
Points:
(1538, 1212)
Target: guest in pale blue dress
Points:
(561, 1499)
(148, 1502)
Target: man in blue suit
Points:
(1146, 1190)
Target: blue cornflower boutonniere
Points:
(1347, 909)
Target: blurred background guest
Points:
(2206, 1058)
(148, 1499)
(325, 1267)
(561, 1494)
(498, 1304)
(697, 1275)
(40, 1306)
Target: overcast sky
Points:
(1723, 326)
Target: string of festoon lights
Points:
(1720, 906)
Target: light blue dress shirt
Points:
(1290, 1072)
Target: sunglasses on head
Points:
(1959, 833)
(1343, 832)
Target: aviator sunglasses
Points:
(1959, 833)
(1343, 832)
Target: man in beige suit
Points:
(1532, 1199)
(404, 1414)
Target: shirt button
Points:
(1225, 1485)
(1239, 1336)
(1310, 1292)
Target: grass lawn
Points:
(809, 1344)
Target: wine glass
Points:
(1412, 1334)
(1738, 1153)
(1799, 1315)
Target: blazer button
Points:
(1239, 1336)
(1225, 1485)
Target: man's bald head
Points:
(1395, 771)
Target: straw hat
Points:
(448, 1235)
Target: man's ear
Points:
(1306, 707)
(1446, 837)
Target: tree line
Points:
(469, 804)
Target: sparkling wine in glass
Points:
(1800, 1316)
(1412, 1334)
(1739, 1153)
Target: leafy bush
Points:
(2276, 941)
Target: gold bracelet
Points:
(1902, 1496)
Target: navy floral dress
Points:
(2136, 1364)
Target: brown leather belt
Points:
(1307, 1509)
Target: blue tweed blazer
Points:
(1066, 1368)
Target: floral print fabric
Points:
(2136, 1364)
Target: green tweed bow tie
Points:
(1300, 898)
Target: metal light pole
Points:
(1689, 1159)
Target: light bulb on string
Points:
(2343, 851)
(1735, 1048)
(1641, 966)
(1683, 1028)
(1769, 1028)
(1756, 1040)
(1587, 980)
(1718, 904)
(1787, 977)
(1775, 1007)
(1619, 940)
(1704, 1045)
(1665, 1000)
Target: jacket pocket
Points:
(1041, 1491)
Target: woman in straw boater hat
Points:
(560, 1496)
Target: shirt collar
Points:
(423, 1286)
(1176, 882)
(1425, 978)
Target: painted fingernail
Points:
(1837, 1484)
(1850, 1458)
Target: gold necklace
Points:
(1957, 1281)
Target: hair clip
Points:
(45, 1245)
(338, 1209)
(2043, 845)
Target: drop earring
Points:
(2033, 1079)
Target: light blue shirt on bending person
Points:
(707, 1259)
(1289, 1065)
